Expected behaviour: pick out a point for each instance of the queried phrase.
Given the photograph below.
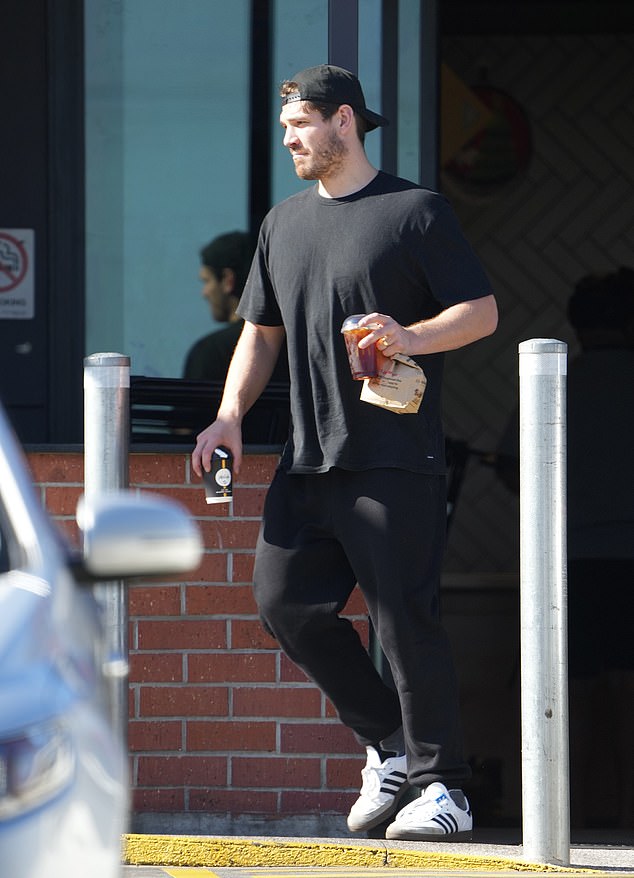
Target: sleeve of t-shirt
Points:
(258, 303)
(454, 273)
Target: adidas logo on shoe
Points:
(382, 788)
(439, 813)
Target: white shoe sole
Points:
(388, 810)
(395, 833)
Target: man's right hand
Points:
(227, 433)
(251, 367)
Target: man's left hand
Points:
(390, 338)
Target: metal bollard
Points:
(106, 447)
(543, 602)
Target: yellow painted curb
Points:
(201, 850)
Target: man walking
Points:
(359, 495)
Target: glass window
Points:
(370, 63)
(167, 120)
(409, 48)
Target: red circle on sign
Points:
(9, 279)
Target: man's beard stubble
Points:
(327, 160)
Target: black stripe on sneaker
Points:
(393, 783)
(448, 822)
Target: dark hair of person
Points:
(232, 250)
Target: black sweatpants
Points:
(385, 529)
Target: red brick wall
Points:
(220, 721)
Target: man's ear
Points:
(228, 281)
(345, 115)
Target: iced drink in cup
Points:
(362, 360)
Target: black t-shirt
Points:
(393, 247)
(208, 359)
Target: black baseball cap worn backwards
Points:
(333, 85)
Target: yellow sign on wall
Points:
(462, 116)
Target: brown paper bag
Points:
(399, 386)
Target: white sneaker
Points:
(439, 813)
(383, 785)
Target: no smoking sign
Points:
(16, 274)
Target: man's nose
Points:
(290, 137)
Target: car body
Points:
(63, 764)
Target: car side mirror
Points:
(136, 534)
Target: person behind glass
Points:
(359, 494)
(223, 271)
(600, 518)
